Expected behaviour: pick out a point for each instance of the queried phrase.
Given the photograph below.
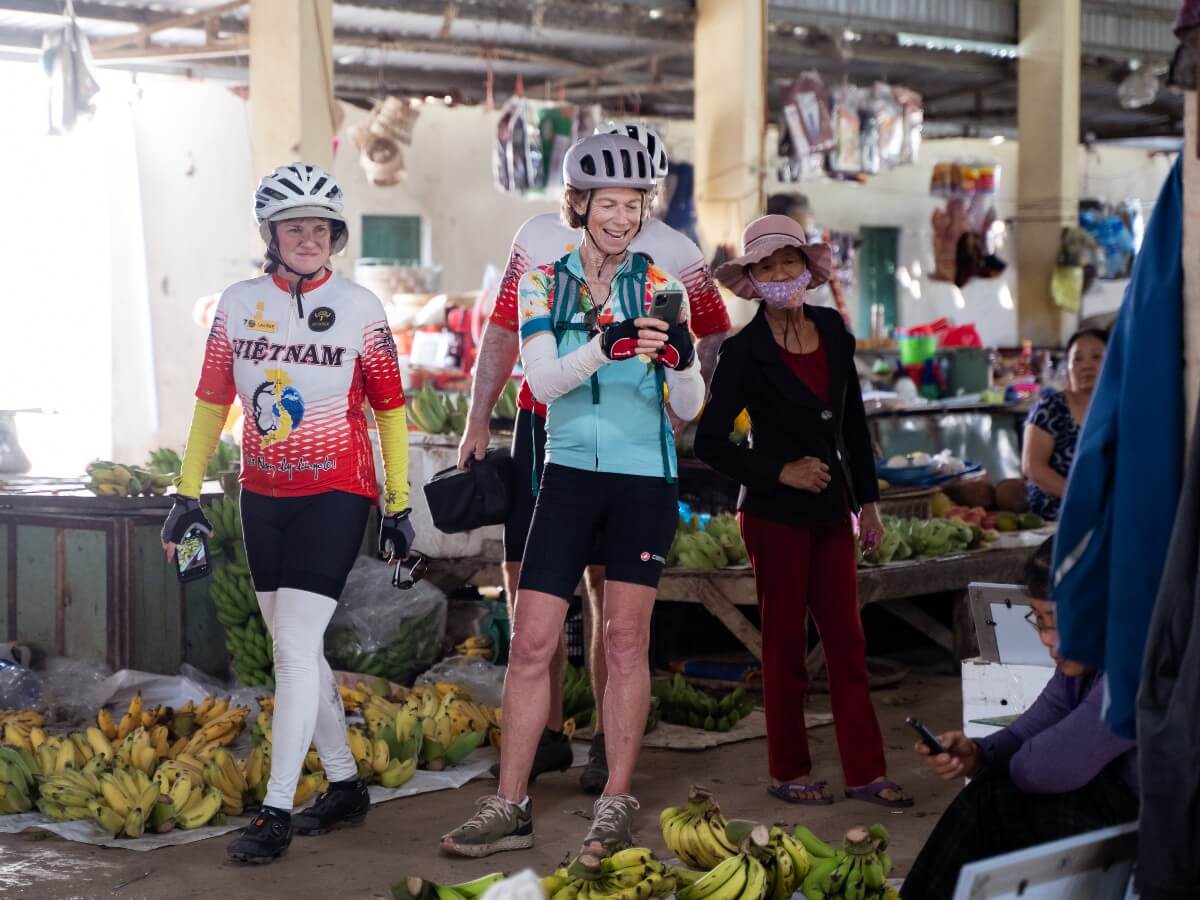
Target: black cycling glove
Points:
(185, 512)
(679, 350)
(619, 340)
(396, 535)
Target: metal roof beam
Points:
(141, 37)
(981, 20)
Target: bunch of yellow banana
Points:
(183, 722)
(696, 832)
(131, 802)
(142, 749)
(18, 726)
(57, 752)
(309, 786)
(69, 795)
(739, 877)
(138, 715)
(787, 863)
(200, 806)
(630, 874)
(223, 773)
(256, 769)
(353, 698)
(478, 647)
(17, 783)
(216, 730)
(415, 888)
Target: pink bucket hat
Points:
(763, 237)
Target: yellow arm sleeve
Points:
(393, 445)
(207, 421)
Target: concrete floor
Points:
(400, 837)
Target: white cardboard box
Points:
(992, 689)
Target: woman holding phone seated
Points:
(1055, 772)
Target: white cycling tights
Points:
(308, 709)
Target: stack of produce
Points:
(415, 888)
(439, 725)
(419, 639)
(857, 871)
(924, 538)
(436, 413)
(629, 874)
(168, 768)
(713, 546)
(578, 702)
(110, 479)
(246, 635)
(682, 704)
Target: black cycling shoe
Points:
(265, 839)
(595, 774)
(345, 803)
(553, 755)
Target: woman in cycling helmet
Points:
(600, 363)
(302, 349)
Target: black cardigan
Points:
(788, 421)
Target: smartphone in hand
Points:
(191, 555)
(927, 736)
(666, 305)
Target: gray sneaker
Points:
(612, 828)
(499, 825)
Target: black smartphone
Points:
(409, 571)
(191, 555)
(667, 305)
(927, 737)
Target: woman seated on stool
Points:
(1055, 772)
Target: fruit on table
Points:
(971, 493)
(713, 546)
(940, 505)
(1008, 521)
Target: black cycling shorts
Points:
(528, 452)
(634, 515)
(307, 543)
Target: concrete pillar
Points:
(291, 82)
(1191, 261)
(730, 116)
(1048, 165)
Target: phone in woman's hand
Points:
(666, 305)
(927, 737)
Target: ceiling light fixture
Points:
(958, 45)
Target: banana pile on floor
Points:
(440, 718)
(684, 704)
(416, 888)
(725, 856)
(476, 647)
(232, 592)
(151, 770)
(630, 874)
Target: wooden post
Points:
(1048, 166)
(291, 83)
(730, 115)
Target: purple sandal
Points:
(869, 793)
(794, 791)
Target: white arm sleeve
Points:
(686, 387)
(550, 375)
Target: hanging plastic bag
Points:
(807, 94)
(501, 172)
(1066, 287)
(913, 114)
(67, 61)
(890, 120)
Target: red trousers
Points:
(798, 571)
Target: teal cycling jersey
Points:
(616, 421)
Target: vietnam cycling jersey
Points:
(302, 369)
(544, 239)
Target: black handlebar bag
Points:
(465, 500)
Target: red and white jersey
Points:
(302, 369)
(544, 239)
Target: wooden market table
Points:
(897, 585)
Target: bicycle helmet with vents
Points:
(645, 136)
(608, 161)
(299, 191)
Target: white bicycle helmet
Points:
(299, 191)
(608, 160)
(645, 136)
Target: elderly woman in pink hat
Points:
(806, 472)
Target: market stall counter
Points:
(85, 577)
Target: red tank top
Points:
(812, 369)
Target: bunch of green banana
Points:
(225, 516)
(506, 404)
(683, 704)
(246, 636)
(697, 832)
(111, 479)
(856, 872)
(739, 877)
(226, 456)
(712, 546)
(415, 888)
(630, 874)
(164, 461)
(578, 702)
(18, 786)
(427, 411)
